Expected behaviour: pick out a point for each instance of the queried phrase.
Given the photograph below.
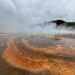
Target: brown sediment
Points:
(61, 49)
(17, 59)
(14, 57)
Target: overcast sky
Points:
(20, 15)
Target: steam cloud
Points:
(19, 15)
(59, 23)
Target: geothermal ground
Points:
(37, 55)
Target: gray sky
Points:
(20, 15)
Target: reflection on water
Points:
(39, 41)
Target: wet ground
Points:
(5, 68)
(52, 63)
(39, 41)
